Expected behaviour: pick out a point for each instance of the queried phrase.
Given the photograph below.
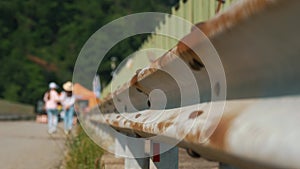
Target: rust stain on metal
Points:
(145, 72)
(134, 79)
(168, 124)
(188, 55)
(148, 129)
(137, 116)
(160, 126)
(218, 138)
(139, 75)
(125, 121)
(115, 123)
(192, 137)
(164, 125)
(166, 58)
(195, 114)
(137, 126)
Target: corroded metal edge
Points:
(237, 13)
(236, 137)
(248, 131)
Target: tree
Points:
(55, 31)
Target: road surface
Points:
(27, 145)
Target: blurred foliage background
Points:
(40, 40)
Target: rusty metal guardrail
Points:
(257, 41)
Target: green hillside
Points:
(11, 108)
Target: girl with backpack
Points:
(51, 99)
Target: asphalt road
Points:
(27, 145)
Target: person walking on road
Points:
(68, 100)
(51, 99)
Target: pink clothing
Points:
(52, 102)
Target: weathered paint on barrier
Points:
(253, 133)
(226, 34)
(260, 129)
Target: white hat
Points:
(68, 86)
(52, 85)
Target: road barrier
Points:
(250, 123)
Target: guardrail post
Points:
(120, 145)
(161, 159)
(126, 147)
